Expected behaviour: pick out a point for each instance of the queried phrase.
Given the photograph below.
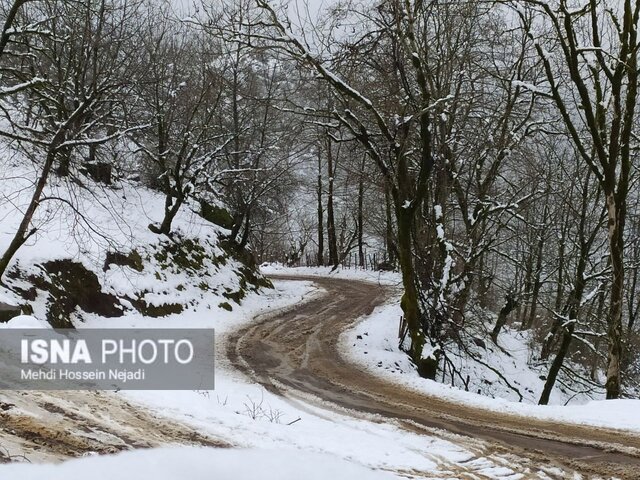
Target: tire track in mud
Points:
(52, 426)
(295, 354)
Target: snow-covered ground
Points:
(196, 464)
(292, 439)
(248, 416)
(331, 444)
(378, 277)
(82, 223)
(373, 344)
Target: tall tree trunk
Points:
(361, 215)
(241, 203)
(561, 265)
(528, 286)
(550, 339)
(632, 304)
(596, 344)
(331, 225)
(320, 212)
(571, 313)
(483, 278)
(535, 292)
(427, 367)
(616, 215)
(567, 321)
(389, 234)
(557, 364)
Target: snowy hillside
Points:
(93, 257)
(372, 344)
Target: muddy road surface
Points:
(295, 353)
(52, 426)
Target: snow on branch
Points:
(34, 82)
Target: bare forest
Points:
(487, 151)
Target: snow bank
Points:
(197, 464)
(378, 277)
(373, 345)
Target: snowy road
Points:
(295, 354)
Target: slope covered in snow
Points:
(93, 256)
(373, 344)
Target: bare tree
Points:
(180, 96)
(75, 76)
(400, 147)
(590, 58)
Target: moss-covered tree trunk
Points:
(361, 260)
(410, 302)
(390, 242)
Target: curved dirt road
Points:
(295, 354)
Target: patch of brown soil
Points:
(50, 426)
